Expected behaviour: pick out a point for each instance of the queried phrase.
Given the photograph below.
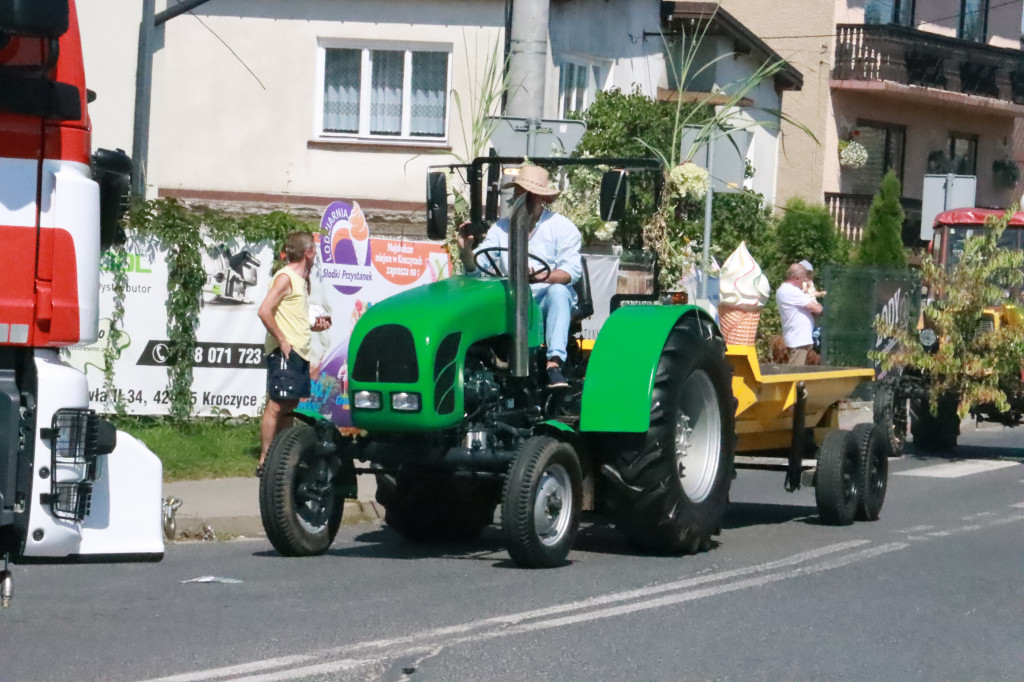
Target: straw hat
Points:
(534, 180)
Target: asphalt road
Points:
(933, 590)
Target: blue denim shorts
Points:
(287, 379)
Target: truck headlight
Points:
(366, 400)
(405, 402)
(927, 338)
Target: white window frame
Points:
(364, 135)
(599, 73)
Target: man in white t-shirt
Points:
(797, 310)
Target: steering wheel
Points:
(489, 262)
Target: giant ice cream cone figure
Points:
(743, 292)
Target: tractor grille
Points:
(986, 325)
(387, 355)
(444, 374)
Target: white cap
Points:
(807, 265)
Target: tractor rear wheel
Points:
(838, 480)
(934, 432)
(433, 509)
(670, 486)
(890, 413)
(300, 509)
(873, 470)
(541, 503)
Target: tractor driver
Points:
(556, 240)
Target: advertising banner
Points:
(228, 377)
(353, 272)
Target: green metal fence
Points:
(856, 295)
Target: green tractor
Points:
(447, 380)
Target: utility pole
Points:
(151, 21)
(528, 63)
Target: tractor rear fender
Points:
(620, 374)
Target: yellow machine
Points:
(787, 419)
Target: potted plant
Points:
(852, 154)
(1006, 172)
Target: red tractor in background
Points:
(71, 487)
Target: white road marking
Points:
(242, 669)
(561, 615)
(1019, 505)
(958, 469)
(915, 529)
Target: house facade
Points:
(925, 87)
(298, 102)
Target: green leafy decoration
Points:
(975, 367)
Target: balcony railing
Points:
(850, 211)
(904, 55)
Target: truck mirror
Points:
(112, 171)
(34, 18)
(614, 192)
(437, 205)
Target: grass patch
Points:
(204, 448)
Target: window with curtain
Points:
(973, 20)
(396, 93)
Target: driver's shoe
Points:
(555, 377)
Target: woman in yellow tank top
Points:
(285, 314)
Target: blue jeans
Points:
(555, 301)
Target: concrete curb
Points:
(191, 527)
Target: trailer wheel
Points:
(300, 510)
(837, 490)
(670, 486)
(890, 412)
(934, 433)
(428, 509)
(541, 503)
(873, 469)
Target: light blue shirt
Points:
(555, 239)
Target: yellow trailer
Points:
(787, 419)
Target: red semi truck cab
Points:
(71, 488)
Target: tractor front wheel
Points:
(541, 504)
(934, 432)
(300, 509)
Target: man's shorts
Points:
(287, 379)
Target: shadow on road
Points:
(746, 514)
(965, 452)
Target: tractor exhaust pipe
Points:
(520, 226)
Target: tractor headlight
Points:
(927, 338)
(366, 400)
(405, 402)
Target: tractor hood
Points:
(408, 351)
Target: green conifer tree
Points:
(882, 243)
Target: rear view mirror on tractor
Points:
(437, 205)
(614, 192)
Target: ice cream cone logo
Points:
(359, 234)
(346, 250)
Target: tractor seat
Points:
(584, 307)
